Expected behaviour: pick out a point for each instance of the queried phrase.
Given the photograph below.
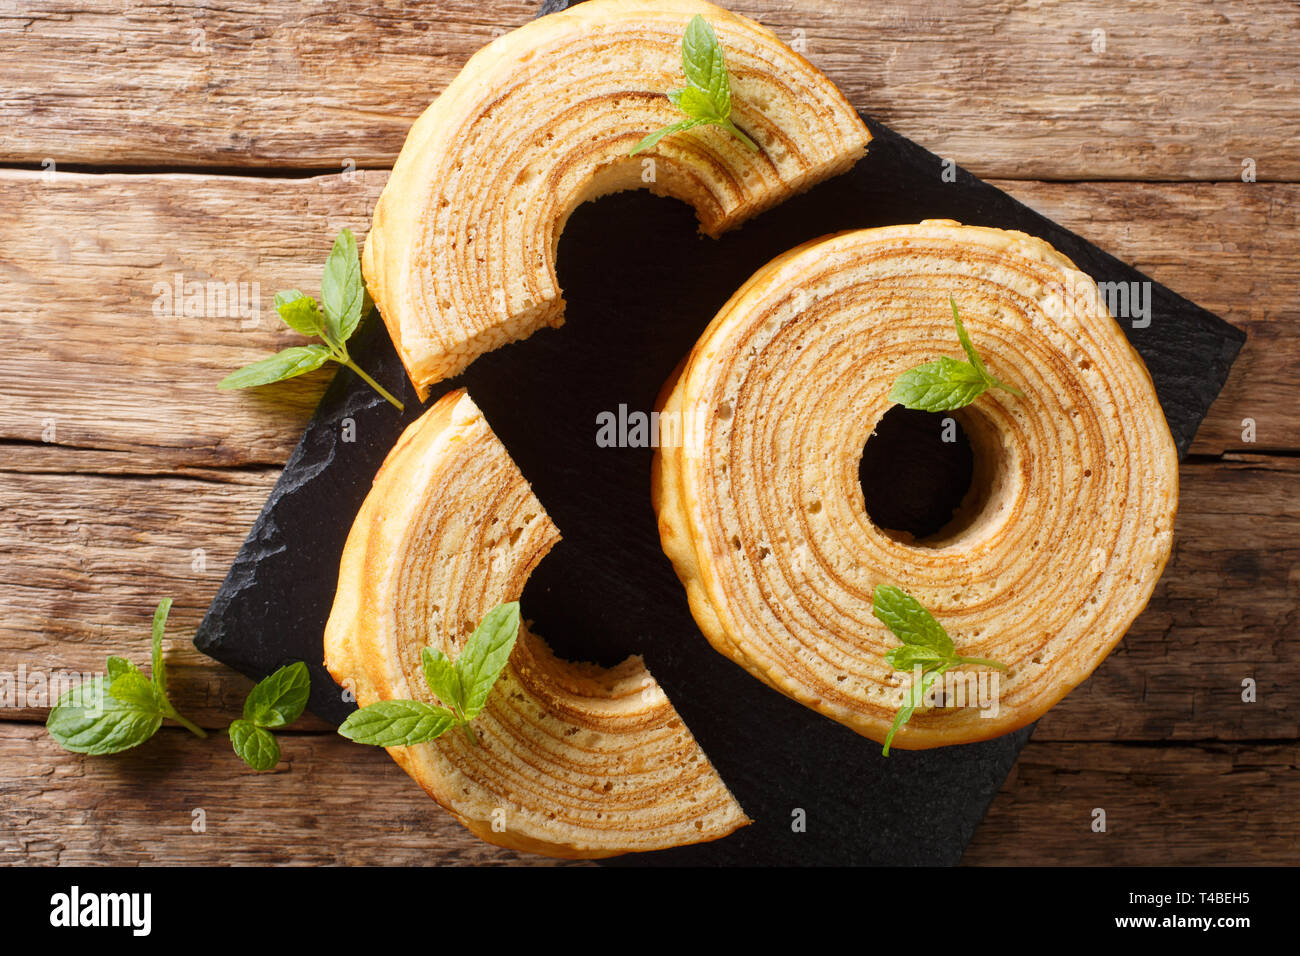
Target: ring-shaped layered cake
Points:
(1053, 553)
(460, 258)
(571, 759)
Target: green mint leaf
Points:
(947, 384)
(907, 656)
(345, 301)
(910, 622)
(279, 698)
(256, 746)
(159, 666)
(120, 710)
(966, 345)
(707, 95)
(974, 356)
(117, 666)
(397, 723)
(925, 643)
(158, 682)
(485, 654)
(286, 364)
(443, 678)
(135, 690)
(300, 312)
(342, 289)
(88, 720)
(697, 104)
(915, 695)
(657, 135)
(939, 386)
(705, 66)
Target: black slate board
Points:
(641, 284)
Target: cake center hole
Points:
(916, 473)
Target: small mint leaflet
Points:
(657, 135)
(397, 723)
(704, 65)
(443, 678)
(907, 656)
(342, 290)
(966, 344)
(942, 385)
(159, 666)
(910, 622)
(696, 103)
(135, 689)
(911, 700)
(117, 666)
(485, 655)
(289, 363)
(279, 698)
(300, 312)
(89, 720)
(256, 746)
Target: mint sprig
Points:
(947, 384)
(706, 98)
(121, 709)
(463, 688)
(344, 302)
(276, 701)
(925, 643)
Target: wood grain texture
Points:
(110, 356)
(81, 291)
(1207, 804)
(328, 802)
(1182, 89)
(332, 802)
(1229, 247)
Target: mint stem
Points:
(739, 133)
(174, 714)
(345, 360)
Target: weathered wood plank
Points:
(334, 802)
(1230, 248)
(109, 355)
(95, 359)
(1204, 804)
(87, 557)
(329, 802)
(1151, 89)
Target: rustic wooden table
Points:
(229, 142)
